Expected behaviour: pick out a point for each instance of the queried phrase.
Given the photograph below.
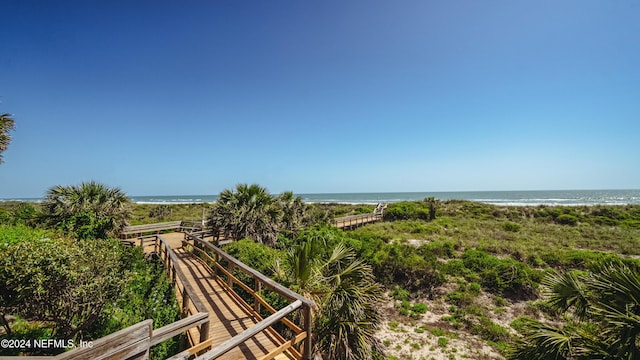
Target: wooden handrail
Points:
(121, 344)
(303, 332)
(274, 286)
(170, 261)
(250, 332)
(175, 328)
(295, 328)
(181, 225)
(355, 217)
(185, 283)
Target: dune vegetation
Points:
(434, 279)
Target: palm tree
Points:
(88, 210)
(603, 308)
(293, 209)
(248, 212)
(345, 292)
(6, 124)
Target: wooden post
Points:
(257, 288)
(173, 275)
(204, 332)
(185, 302)
(166, 257)
(230, 269)
(307, 352)
(156, 246)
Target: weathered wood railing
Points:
(353, 221)
(156, 228)
(189, 302)
(213, 256)
(217, 237)
(131, 343)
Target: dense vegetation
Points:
(602, 310)
(314, 263)
(69, 280)
(485, 272)
(475, 263)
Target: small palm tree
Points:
(88, 210)
(345, 292)
(249, 211)
(603, 310)
(6, 124)
(293, 210)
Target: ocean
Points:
(514, 198)
(511, 198)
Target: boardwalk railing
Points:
(353, 221)
(189, 302)
(133, 342)
(225, 265)
(156, 228)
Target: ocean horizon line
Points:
(498, 197)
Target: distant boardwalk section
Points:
(354, 221)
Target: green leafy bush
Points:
(566, 219)
(442, 249)
(399, 293)
(460, 298)
(10, 235)
(419, 308)
(520, 323)
(511, 227)
(399, 264)
(258, 256)
(104, 287)
(505, 276)
(443, 342)
(414, 210)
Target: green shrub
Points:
(488, 330)
(455, 267)
(474, 288)
(442, 342)
(160, 212)
(258, 256)
(365, 242)
(399, 264)
(566, 219)
(460, 298)
(399, 293)
(419, 308)
(521, 322)
(511, 227)
(414, 210)
(10, 235)
(505, 276)
(440, 249)
(630, 224)
(499, 301)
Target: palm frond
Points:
(565, 291)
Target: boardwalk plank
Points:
(227, 316)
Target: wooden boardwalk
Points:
(353, 221)
(218, 322)
(227, 316)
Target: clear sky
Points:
(191, 97)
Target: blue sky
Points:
(168, 98)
